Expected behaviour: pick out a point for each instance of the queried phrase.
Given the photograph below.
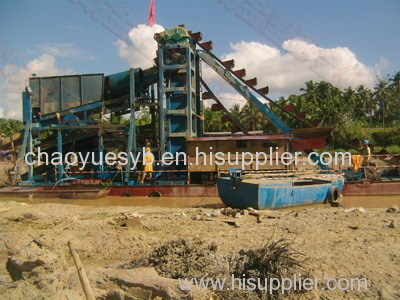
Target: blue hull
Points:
(277, 193)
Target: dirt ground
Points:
(35, 262)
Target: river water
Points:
(210, 202)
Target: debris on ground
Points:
(169, 243)
(355, 210)
(391, 225)
(185, 258)
(393, 209)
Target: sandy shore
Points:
(336, 242)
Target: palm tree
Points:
(236, 111)
(331, 107)
(349, 96)
(367, 102)
(301, 104)
(395, 95)
(351, 101)
(382, 96)
(212, 120)
(395, 83)
(310, 92)
(251, 117)
(213, 123)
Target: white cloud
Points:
(228, 99)
(62, 50)
(142, 50)
(382, 64)
(286, 72)
(15, 78)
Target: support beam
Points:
(212, 95)
(21, 159)
(60, 150)
(132, 125)
(72, 127)
(30, 149)
(242, 89)
(262, 92)
(161, 102)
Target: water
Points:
(211, 202)
(371, 201)
(173, 202)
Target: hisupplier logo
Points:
(274, 285)
(238, 159)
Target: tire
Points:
(155, 194)
(334, 196)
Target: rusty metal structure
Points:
(64, 114)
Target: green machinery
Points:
(179, 89)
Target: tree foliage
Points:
(323, 104)
(10, 127)
(352, 111)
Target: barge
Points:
(270, 192)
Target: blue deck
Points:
(277, 193)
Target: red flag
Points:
(151, 13)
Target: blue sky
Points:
(62, 29)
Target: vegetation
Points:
(10, 127)
(361, 113)
(249, 116)
(326, 105)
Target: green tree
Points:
(309, 99)
(252, 118)
(394, 88)
(350, 99)
(395, 83)
(235, 111)
(143, 117)
(383, 99)
(213, 122)
(366, 105)
(10, 127)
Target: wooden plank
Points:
(87, 289)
